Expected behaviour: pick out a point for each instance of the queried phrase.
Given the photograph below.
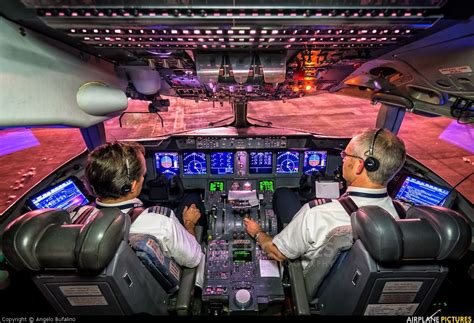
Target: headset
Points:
(371, 163)
(125, 189)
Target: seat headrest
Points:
(428, 233)
(453, 229)
(21, 236)
(46, 239)
(99, 238)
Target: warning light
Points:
(308, 87)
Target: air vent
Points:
(425, 95)
(443, 83)
(383, 71)
(466, 84)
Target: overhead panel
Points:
(234, 24)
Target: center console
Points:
(239, 276)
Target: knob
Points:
(243, 298)
(224, 197)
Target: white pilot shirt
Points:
(305, 233)
(178, 243)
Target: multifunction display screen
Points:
(266, 185)
(194, 163)
(62, 195)
(261, 162)
(420, 192)
(167, 163)
(222, 163)
(216, 186)
(288, 162)
(241, 255)
(314, 161)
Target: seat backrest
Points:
(395, 267)
(88, 268)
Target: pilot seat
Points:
(379, 265)
(95, 268)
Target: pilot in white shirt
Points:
(370, 161)
(115, 174)
(306, 232)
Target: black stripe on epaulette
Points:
(153, 209)
(317, 202)
(160, 210)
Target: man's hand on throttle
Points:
(191, 214)
(252, 227)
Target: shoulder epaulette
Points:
(160, 210)
(317, 202)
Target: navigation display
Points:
(314, 161)
(194, 163)
(167, 163)
(261, 162)
(222, 163)
(62, 196)
(288, 162)
(420, 192)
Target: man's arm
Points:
(263, 239)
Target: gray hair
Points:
(388, 149)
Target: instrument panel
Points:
(239, 163)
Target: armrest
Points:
(298, 289)
(186, 285)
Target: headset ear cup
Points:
(371, 164)
(126, 188)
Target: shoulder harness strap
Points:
(402, 213)
(134, 212)
(83, 214)
(348, 204)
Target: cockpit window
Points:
(442, 144)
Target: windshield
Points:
(441, 144)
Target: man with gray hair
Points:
(370, 161)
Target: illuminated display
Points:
(266, 185)
(61, 196)
(222, 163)
(216, 186)
(194, 163)
(288, 162)
(261, 162)
(167, 163)
(314, 161)
(240, 255)
(419, 192)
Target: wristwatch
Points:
(257, 235)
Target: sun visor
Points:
(98, 99)
(274, 67)
(146, 80)
(207, 67)
(42, 89)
